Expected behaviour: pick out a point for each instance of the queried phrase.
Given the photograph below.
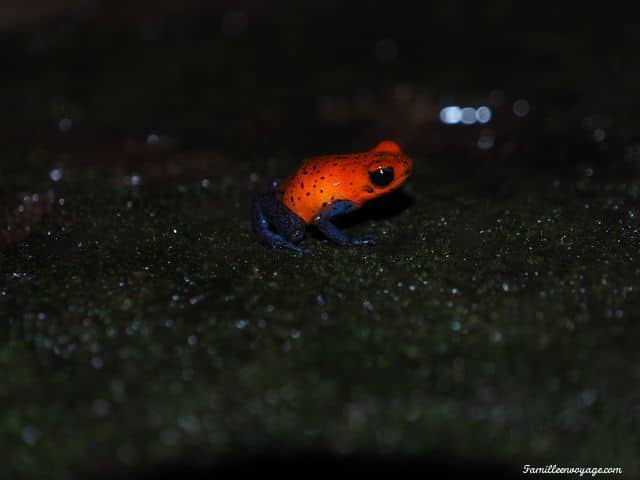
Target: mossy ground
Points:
(140, 327)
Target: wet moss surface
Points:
(495, 318)
(140, 326)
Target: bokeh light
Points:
(453, 114)
(520, 107)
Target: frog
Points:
(323, 188)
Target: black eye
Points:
(381, 177)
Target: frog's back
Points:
(320, 181)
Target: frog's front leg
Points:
(333, 233)
(270, 213)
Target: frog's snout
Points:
(408, 167)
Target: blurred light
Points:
(589, 397)
(599, 135)
(451, 115)
(386, 50)
(135, 180)
(56, 174)
(153, 139)
(30, 435)
(468, 115)
(65, 124)
(97, 363)
(521, 107)
(485, 142)
(234, 23)
(483, 114)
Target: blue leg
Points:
(269, 212)
(333, 233)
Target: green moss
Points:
(136, 337)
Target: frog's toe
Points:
(295, 248)
(276, 241)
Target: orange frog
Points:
(325, 187)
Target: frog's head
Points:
(388, 169)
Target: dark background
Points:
(265, 71)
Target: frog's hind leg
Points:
(323, 222)
(269, 213)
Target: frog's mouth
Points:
(404, 175)
(408, 170)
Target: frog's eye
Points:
(381, 177)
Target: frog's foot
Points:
(333, 233)
(288, 228)
(275, 240)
